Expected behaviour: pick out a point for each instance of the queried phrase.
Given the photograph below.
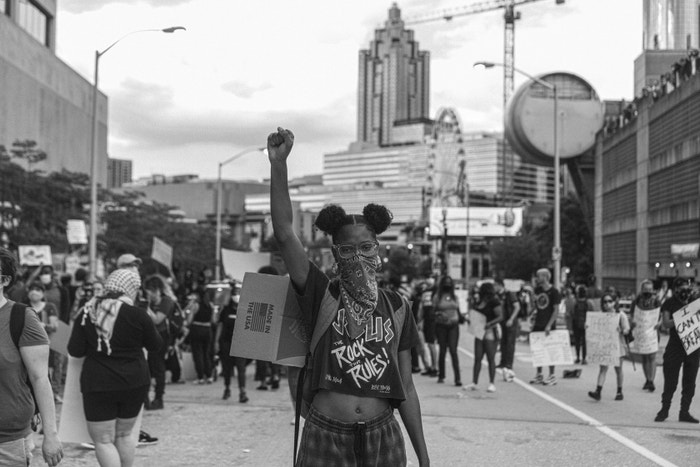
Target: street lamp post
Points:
(217, 272)
(92, 252)
(556, 249)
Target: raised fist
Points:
(279, 144)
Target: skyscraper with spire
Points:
(394, 83)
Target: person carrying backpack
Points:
(24, 380)
(359, 367)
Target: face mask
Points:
(35, 295)
(683, 294)
(45, 279)
(358, 286)
(647, 295)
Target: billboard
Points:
(483, 222)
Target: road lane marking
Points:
(641, 450)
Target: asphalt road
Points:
(519, 424)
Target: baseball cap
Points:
(128, 259)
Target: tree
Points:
(516, 257)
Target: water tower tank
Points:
(530, 118)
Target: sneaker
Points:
(577, 361)
(584, 362)
(550, 381)
(538, 379)
(470, 387)
(433, 373)
(57, 399)
(210, 380)
(662, 415)
(510, 377)
(458, 384)
(441, 380)
(145, 439)
(619, 396)
(262, 387)
(594, 395)
(652, 388)
(275, 384)
(227, 394)
(156, 404)
(243, 398)
(646, 386)
(491, 388)
(199, 381)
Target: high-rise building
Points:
(118, 172)
(41, 98)
(394, 83)
(671, 24)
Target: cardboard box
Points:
(269, 324)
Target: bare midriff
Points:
(348, 408)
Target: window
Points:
(33, 20)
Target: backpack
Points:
(17, 315)
(305, 395)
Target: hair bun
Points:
(378, 217)
(330, 219)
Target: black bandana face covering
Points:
(358, 290)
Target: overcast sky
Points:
(180, 103)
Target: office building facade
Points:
(647, 192)
(393, 82)
(41, 98)
(119, 172)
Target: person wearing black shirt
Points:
(510, 326)
(162, 309)
(222, 346)
(547, 299)
(675, 357)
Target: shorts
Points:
(110, 405)
(376, 442)
(17, 453)
(429, 331)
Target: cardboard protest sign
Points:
(477, 324)
(269, 324)
(35, 255)
(645, 337)
(687, 324)
(188, 371)
(550, 350)
(603, 338)
(58, 340)
(73, 426)
(76, 232)
(162, 252)
(238, 263)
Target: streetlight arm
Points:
(165, 30)
(527, 75)
(240, 154)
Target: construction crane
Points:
(510, 16)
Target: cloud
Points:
(244, 90)
(144, 115)
(84, 6)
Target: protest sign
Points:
(269, 325)
(188, 371)
(687, 324)
(477, 324)
(162, 252)
(58, 340)
(35, 255)
(237, 263)
(76, 232)
(550, 350)
(645, 337)
(603, 338)
(73, 426)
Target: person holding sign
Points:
(359, 366)
(607, 304)
(676, 358)
(547, 299)
(490, 307)
(645, 302)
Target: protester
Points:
(676, 358)
(646, 300)
(351, 419)
(608, 304)
(510, 326)
(447, 320)
(161, 309)
(25, 361)
(222, 346)
(427, 312)
(111, 334)
(547, 301)
(200, 318)
(581, 307)
(491, 311)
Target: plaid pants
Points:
(376, 442)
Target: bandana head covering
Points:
(103, 312)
